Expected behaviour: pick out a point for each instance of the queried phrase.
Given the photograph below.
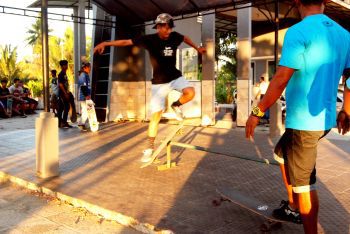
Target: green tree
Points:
(9, 67)
(225, 52)
(59, 48)
(34, 38)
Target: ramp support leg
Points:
(168, 164)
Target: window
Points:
(271, 67)
(189, 63)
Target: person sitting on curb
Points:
(26, 96)
(4, 95)
(18, 104)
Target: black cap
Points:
(63, 62)
(164, 18)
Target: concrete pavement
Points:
(24, 211)
(101, 172)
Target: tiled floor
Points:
(103, 168)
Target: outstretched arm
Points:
(189, 42)
(101, 47)
(274, 91)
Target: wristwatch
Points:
(257, 112)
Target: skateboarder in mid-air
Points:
(315, 54)
(162, 47)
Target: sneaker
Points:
(66, 125)
(178, 113)
(147, 155)
(284, 212)
(23, 116)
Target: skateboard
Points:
(253, 205)
(164, 143)
(90, 107)
(72, 110)
(9, 106)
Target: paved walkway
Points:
(104, 169)
(22, 211)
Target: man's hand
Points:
(250, 125)
(99, 48)
(343, 122)
(201, 50)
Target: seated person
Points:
(18, 105)
(26, 96)
(4, 94)
(3, 111)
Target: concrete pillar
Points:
(81, 29)
(46, 126)
(244, 42)
(79, 39)
(76, 52)
(208, 85)
(46, 145)
(79, 43)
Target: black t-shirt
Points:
(4, 92)
(62, 79)
(163, 55)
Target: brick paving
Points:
(103, 168)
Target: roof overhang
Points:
(60, 4)
(140, 11)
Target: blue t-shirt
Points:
(319, 51)
(84, 80)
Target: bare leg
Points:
(153, 125)
(308, 205)
(187, 95)
(292, 197)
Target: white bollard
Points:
(46, 145)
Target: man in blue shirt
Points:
(84, 93)
(315, 54)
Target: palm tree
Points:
(8, 63)
(35, 36)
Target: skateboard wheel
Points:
(216, 202)
(269, 225)
(265, 227)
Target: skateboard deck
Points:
(164, 144)
(90, 107)
(9, 106)
(249, 203)
(72, 110)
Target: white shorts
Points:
(160, 93)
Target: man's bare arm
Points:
(276, 87)
(273, 93)
(189, 42)
(119, 43)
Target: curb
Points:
(94, 209)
